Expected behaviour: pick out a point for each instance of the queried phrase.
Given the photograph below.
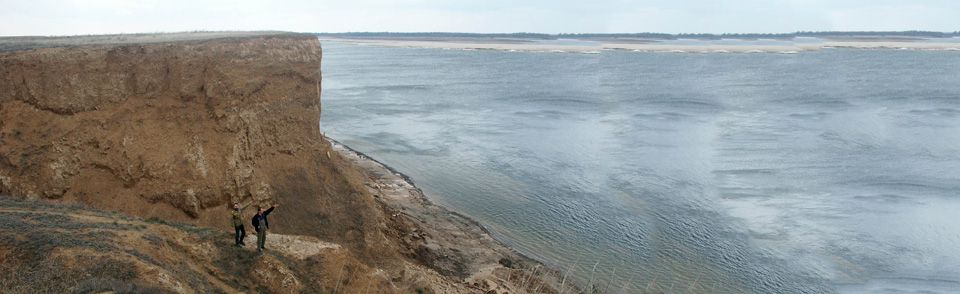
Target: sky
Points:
(59, 18)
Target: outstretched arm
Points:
(245, 206)
(266, 212)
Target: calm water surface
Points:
(835, 171)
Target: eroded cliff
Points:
(180, 130)
(178, 127)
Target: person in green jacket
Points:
(237, 216)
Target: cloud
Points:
(648, 19)
(895, 18)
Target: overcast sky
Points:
(44, 17)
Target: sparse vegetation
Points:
(115, 286)
(55, 248)
(153, 239)
(34, 238)
(143, 257)
(204, 232)
(234, 262)
(30, 238)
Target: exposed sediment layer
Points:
(180, 130)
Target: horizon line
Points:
(904, 32)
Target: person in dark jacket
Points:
(237, 217)
(260, 225)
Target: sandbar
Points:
(649, 46)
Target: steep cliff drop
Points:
(175, 128)
(180, 131)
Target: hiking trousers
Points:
(261, 237)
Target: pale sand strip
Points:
(796, 47)
(531, 47)
(894, 45)
(296, 246)
(658, 47)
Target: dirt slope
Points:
(54, 248)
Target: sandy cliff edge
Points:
(179, 130)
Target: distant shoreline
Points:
(648, 45)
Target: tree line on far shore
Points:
(438, 35)
(661, 36)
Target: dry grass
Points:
(32, 233)
(29, 238)
(119, 287)
(56, 248)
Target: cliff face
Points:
(180, 130)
